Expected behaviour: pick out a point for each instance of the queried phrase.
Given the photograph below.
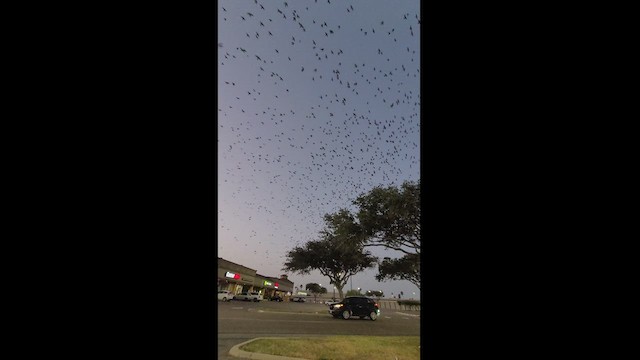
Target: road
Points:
(239, 321)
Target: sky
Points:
(318, 103)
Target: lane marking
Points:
(237, 308)
(399, 313)
(277, 320)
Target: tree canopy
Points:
(387, 217)
(404, 268)
(315, 288)
(390, 217)
(327, 256)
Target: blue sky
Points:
(318, 102)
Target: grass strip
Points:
(341, 347)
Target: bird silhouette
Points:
(295, 145)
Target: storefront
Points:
(260, 285)
(234, 277)
(237, 279)
(282, 286)
(271, 287)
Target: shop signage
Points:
(276, 285)
(268, 283)
(231, 275)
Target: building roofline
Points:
(219, 258)
(278, 279)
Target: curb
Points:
(236, 352)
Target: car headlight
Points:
(337, 306)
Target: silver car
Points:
(225, 295)
(248, 296)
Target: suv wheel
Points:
(346, 314)
(224, 299)
(373, 315)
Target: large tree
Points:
(326, 255)
(405, 268)
(315, 289)
(390, 217)
(387, 217)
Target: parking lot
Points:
(239, 321)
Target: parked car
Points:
(331, 302)
(248, 296)
(351, 306)
(276, 298)
(225, 295)
(297, 299)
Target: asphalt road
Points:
(239, 321)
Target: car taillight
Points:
(376, 304)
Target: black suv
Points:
(355, 306)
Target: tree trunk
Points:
(339, 288)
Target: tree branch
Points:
(389, 247)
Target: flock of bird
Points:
(318, 102)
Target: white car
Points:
(225, 295)
(331, 302)
(248, 296)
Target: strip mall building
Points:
(237, 279)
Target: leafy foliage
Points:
(404, 268)
(327, 256)
(354, 293)
(342, 225)
(390, 217)
(315, 288)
